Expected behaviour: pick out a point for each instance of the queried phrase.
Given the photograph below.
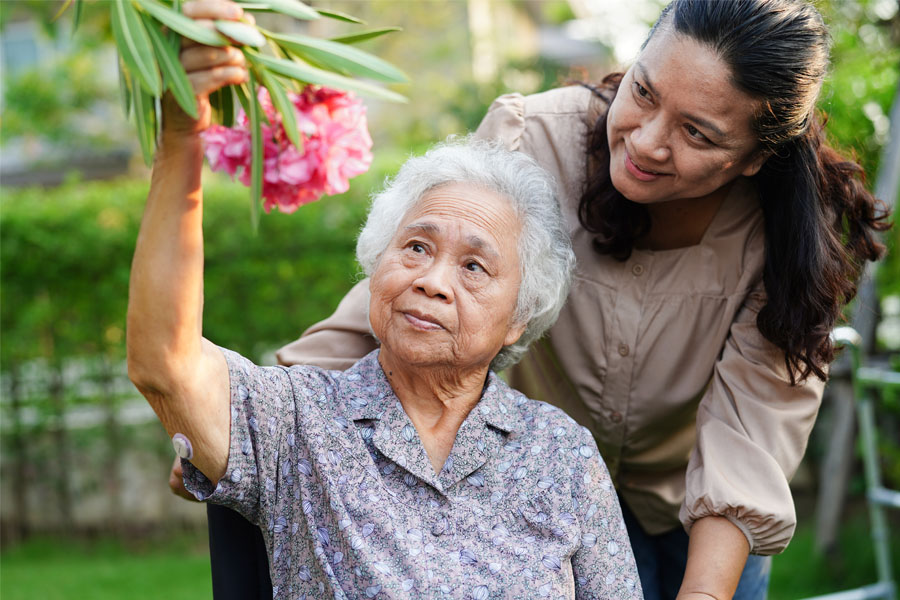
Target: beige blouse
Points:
(659, 356)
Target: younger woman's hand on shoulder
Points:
(208, 67)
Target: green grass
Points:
(52, 569)
(801, 571)
(178, 567)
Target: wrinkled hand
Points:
(176, 482)
(208, 68)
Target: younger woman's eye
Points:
(695, 133)
(641, 90)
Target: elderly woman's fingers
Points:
(204, 12)
(176, 482)
(212, 10)
(209, 80)
(198, 58)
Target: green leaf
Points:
(340, 16)
(61, 10)
(182, 24)
(362, 36)
(242, 92)
(291, 8)
(227, 106)
(215, 104)
(175, 77)
(124, 87)
(340, 57)
(145, 119)
(243, 97)
(222, 102)
(243, 33)
(134, 46)
(76, 18)
(256, 153)
(284, 106)
(308, 74)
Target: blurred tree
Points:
(59, 91)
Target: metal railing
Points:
(868, 382)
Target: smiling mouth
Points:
(423, 322)
(638, 172)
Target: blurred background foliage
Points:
(66, 242)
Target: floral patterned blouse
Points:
(330, 467)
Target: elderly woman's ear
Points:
(515, 333)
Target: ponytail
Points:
(820, 224)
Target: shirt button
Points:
(623, 349)
(615, 417)
(637, 269)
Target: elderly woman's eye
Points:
(417, 248)
(474, 267)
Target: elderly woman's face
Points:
(444, 292)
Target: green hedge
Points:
(67, 253)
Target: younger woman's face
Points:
(678, 127)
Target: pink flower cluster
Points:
(336, 147)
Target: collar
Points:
(368, 394)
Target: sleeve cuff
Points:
(744, 529)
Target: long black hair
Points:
(821, 223)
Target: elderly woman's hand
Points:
(208, 68)
(176, 481)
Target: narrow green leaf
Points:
(215, 103)
(255, 6)
(308, 74)
(256, 154)
(61, 10)
(182, 24)
(124, 87)
(340, 57)
(175, 77)
(76, 18)
(291, 8)
(134, 46)
(340, 16)
(157, 122)
(222, 103)
(145, 120)
(243, 97)
(243, 33)
(362, 36)
(227, 106)
(284, 106)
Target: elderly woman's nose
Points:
(435, 281)
(650, 140)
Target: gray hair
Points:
(545, 252)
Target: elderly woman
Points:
(417, 472)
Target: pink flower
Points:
(336, 147)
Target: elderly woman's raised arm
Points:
(183, 376)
